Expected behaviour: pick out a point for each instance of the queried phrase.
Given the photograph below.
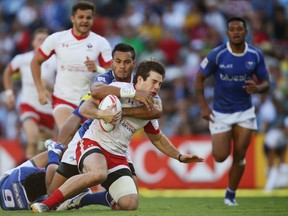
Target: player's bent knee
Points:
(220, 158)
(124, 192)
(129, 202)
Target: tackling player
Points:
(103, 155)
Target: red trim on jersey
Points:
(57, 101)
(27, 111)
(44, 55)
(149, 128)
(79, 37)
(102, 62)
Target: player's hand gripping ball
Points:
(106, 102)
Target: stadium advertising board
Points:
(156, 170)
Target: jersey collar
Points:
(236, 54)
(79, 37)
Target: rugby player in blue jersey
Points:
(239, 71)
(25, 184)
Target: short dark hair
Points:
(146, 66)
(122, 47)
(41, 30)
(83, 5)
(35, 186)
(240, 19)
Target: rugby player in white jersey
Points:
(36, 119)
(123, 63)
(81, 55)
(101, 157)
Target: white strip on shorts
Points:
(224, 121)
(69, 155)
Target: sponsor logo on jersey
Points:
(89, 46)
(250, 65)
(228, 66)
(16, 190)
(204, 63)
(74, 68)
(101, 79)
(236, 78)
(128, 126)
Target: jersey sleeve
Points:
(15, 63)
(105, 78)
(105, 56)
(27, 163)
(208, 64)
(261, 69)
(48, 46)
(152, 127)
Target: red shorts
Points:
(57, 101)
(86, 146)
(27, 111)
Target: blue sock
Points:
(96, 198)
(230, 194)
(53, 158)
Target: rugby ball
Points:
(106, 102)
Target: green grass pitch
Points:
(190, 203)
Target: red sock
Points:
(55, 199)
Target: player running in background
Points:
(81, 55)
(103, 155)
(276, 146)
(232, 119)
(36, 119)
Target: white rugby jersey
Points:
(118, 140)
(29, 93)
(73, 80)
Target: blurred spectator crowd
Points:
(177, 32)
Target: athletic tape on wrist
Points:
(127, 92)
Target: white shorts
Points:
(223, 122)
(69, 155)
(275, 138)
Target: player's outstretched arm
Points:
(161, 142)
